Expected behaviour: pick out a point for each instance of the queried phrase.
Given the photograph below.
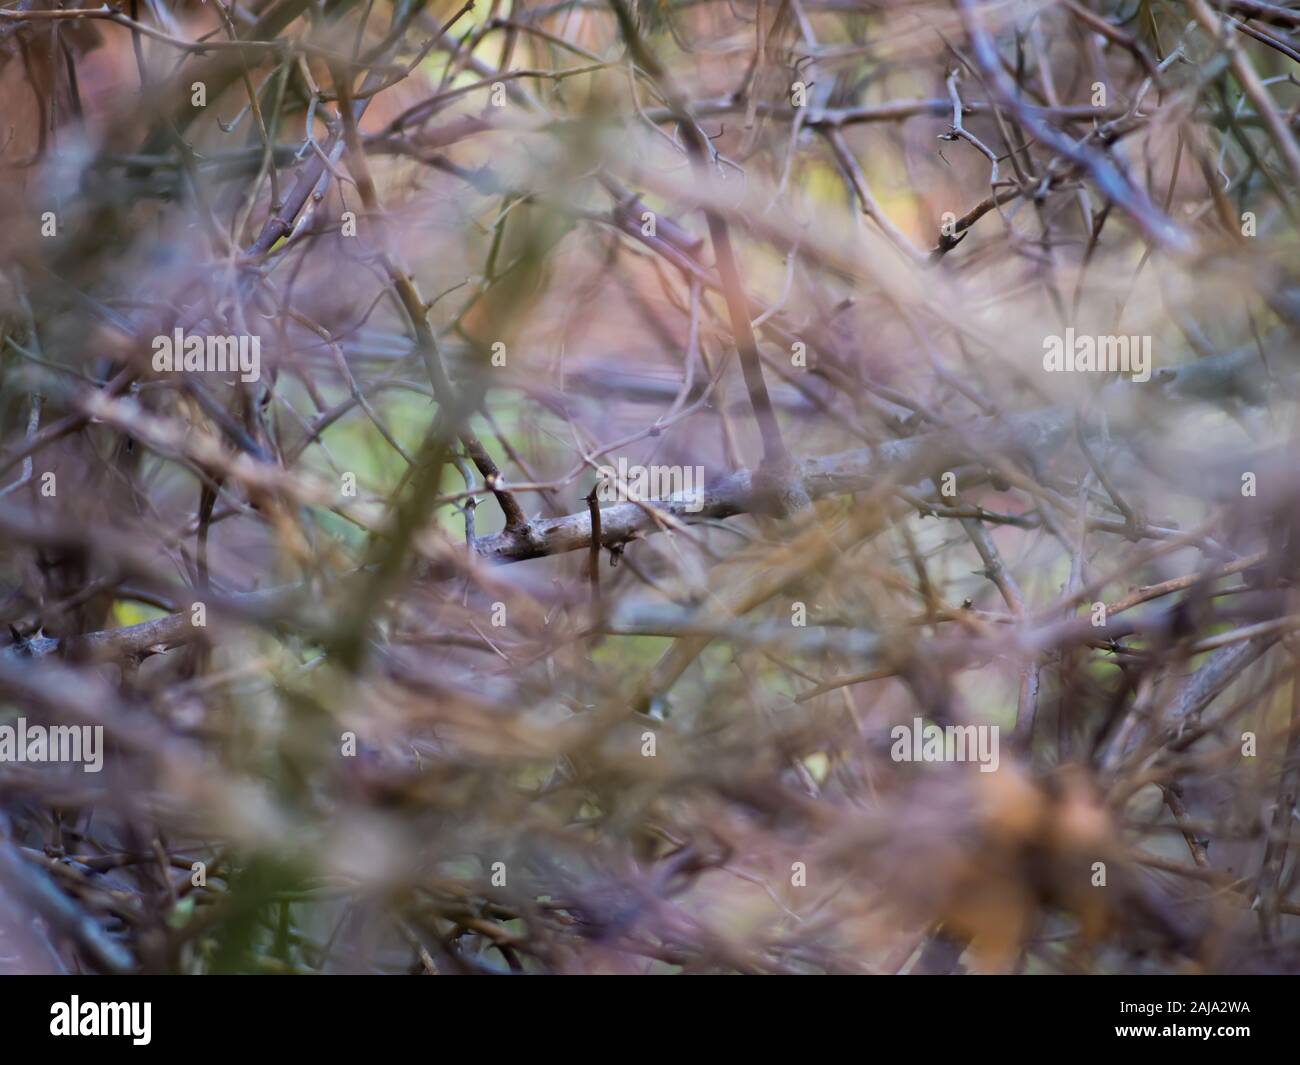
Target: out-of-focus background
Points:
(395, 663)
